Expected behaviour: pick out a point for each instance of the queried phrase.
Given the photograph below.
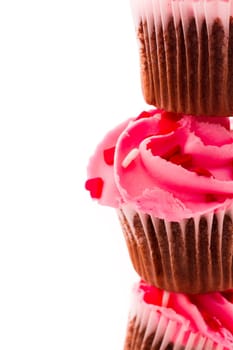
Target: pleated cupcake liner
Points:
(191, 256)
(186, 55)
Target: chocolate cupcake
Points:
(161, 320)
(186, 54)
(170, 178)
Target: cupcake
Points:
(186, 54)
(161, 320)
(170, 178)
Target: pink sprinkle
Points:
(165, 299)
(130, 157)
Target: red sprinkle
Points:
(150, 298)
(152, 145)
(109, 155)
(146, 114)
(202, 172)
(153, 296)
(213, 322)
(174, 155)
(167, 125)
(173, 151)
(171, 115)
(95, 187)
(185, 160)
(228, 295)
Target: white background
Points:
(69, 72)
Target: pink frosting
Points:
(165, 165)
(210, 314)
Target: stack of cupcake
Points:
(169, 175)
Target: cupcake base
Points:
(187, 70)
(191, 256)
(136, 339)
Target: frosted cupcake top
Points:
(210, 315)
(165, 164)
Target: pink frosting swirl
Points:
(208, 314)
(166, 165)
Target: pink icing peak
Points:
(183, 170)
(210, 314)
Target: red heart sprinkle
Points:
(95, 187)
(212, 322)
(146, 114)
(185, 160)
(174, 155)
(228, 295)
(171, 115)
(202, 172)
(149, 298)
(152, 145)
(171, 152)
(109, 155)
(153, 296)
(166, 126)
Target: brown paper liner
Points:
(187, 69)
(191, 256)
(136, 339)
